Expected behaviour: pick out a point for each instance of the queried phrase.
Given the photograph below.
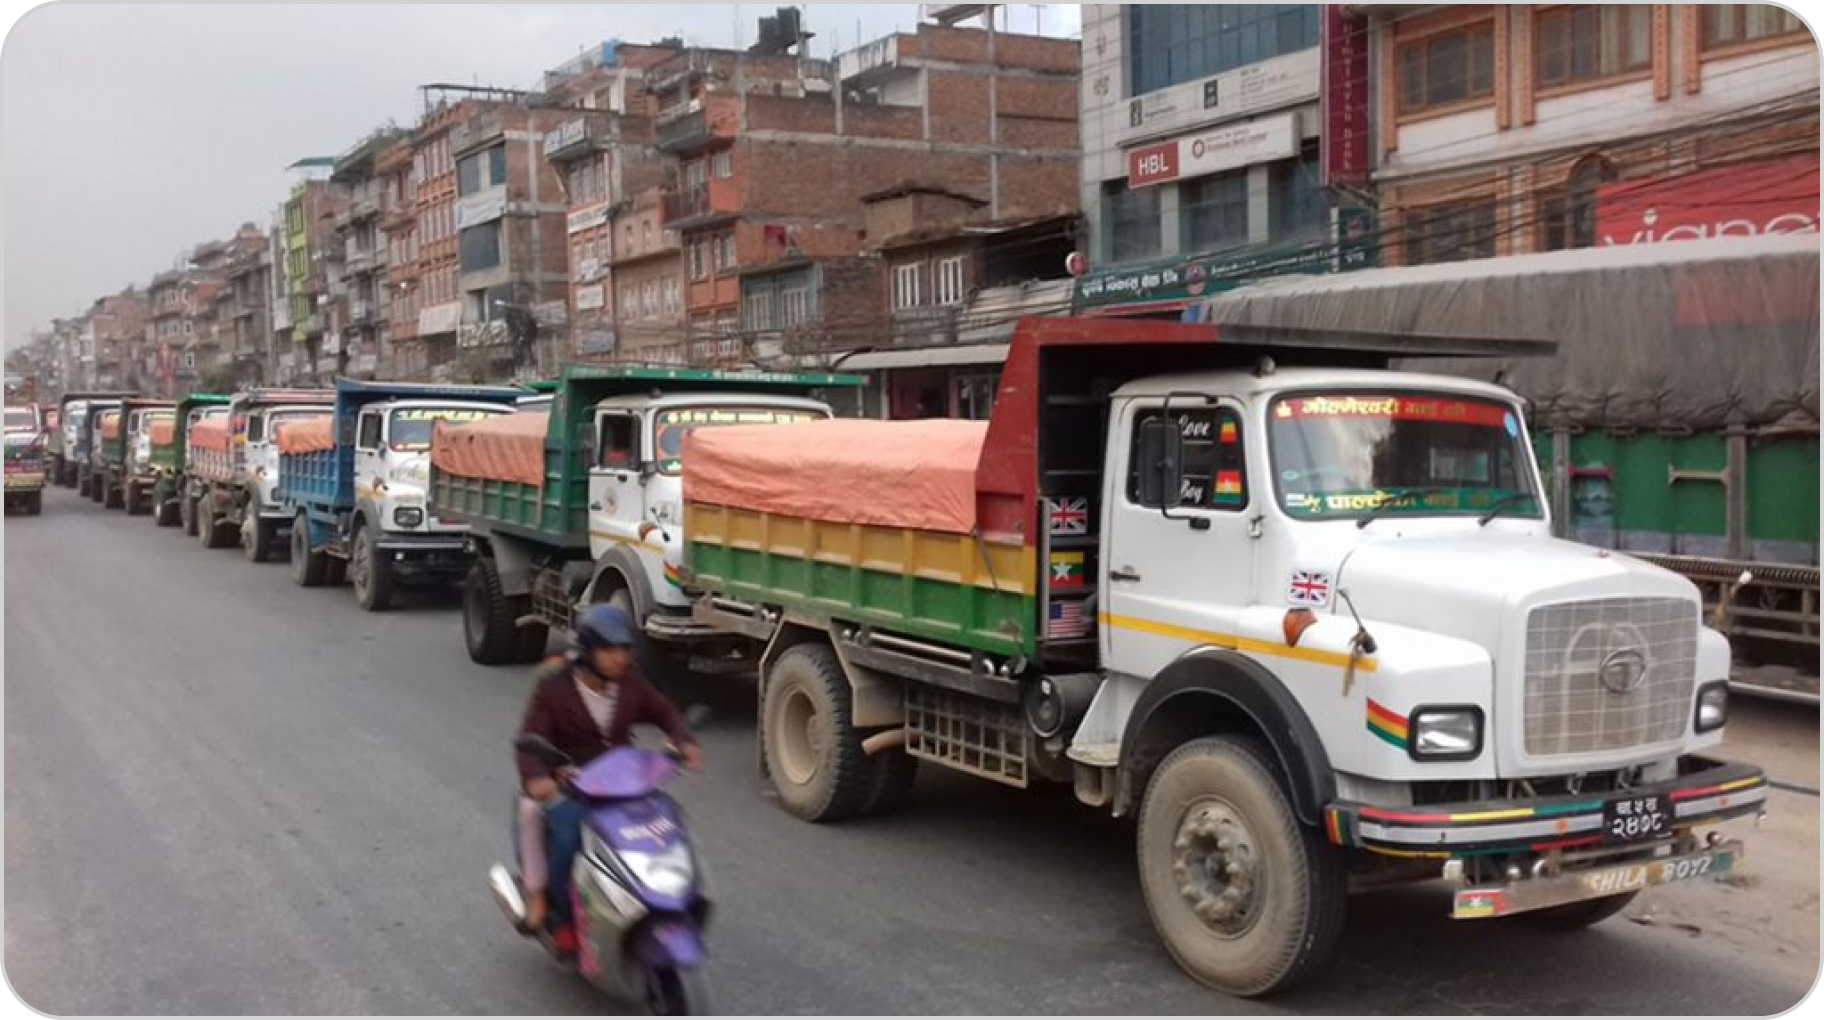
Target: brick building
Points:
(431, 351)
(310, 246)
(358, 313)
(402, 357)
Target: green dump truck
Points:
(169, 450)
(580, 501)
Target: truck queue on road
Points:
(1298, 615)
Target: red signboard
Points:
(1746, 200)
(1152, 164)
(1344, 98)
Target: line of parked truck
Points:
(1298, 615)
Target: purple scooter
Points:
(639, 903)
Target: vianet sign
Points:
(1746, 200)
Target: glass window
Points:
(618, 441)
(411, 427)
(1450, 232)
(1131, 219)
(1213, 472)
(1730, 24)
(906, 285)
(369, 439)
(497, 164)
(1589, 42)
(481, 246)
(1173, 43)
(1428, 454)
(1451, 67)
(728, 250)
(757, 310)
(1214, 211)
(1567, 217)
(1298, 208)
(950, 287)
(724, 163)
(795, 304)
(468, 175)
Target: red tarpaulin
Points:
(502, 447)
(307, 435)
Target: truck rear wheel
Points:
(307, 567)
(186, 513)
(256, 536)
(113, 495)
(165, 509)
(208, 526)
(813, 752)
(1577, 916)
(487, 616)
(1246, 898)
(98, 486)
(371, 573)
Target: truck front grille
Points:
(1571, 708)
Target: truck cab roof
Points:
(1236, 382)
(642, 401)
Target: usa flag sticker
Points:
(1308, 588)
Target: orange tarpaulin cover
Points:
(110, 426)
(210, 434)
(163, 430)
(504, 447)
(904, 474)
(307, 435)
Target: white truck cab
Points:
(636, 485)
(260, 455)
(393, 460)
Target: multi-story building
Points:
(604, 155)
(774, 151)
(112, 335)
(359, 309)
(310, 247)
(247, 303)
(1201, 126)
(1514, 128)
(647, 284)
(403, 356)
(281, 363)
(431, 352)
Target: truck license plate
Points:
(1637, 819)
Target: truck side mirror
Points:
(1161, 462)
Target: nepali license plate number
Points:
(1637, 819)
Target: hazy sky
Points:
(130, 133)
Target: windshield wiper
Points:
(1399, 496)
(1495, 508)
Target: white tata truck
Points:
(233, 471)
(1301, 617)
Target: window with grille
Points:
(1589, 42)
(1732, 24)
(950, 286)
(1447, 68)
(905, 286)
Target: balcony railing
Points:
(706, 199)
(481, 334)
(684, 127)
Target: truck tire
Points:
(209, 526)
(668, 670)
(134, 499)
(113, 496)
(1247, 899)
(257, 535)
(98, 486)
(165, 512)
(891, 774)
(186, 513)
(335, 570)
(372, 575)
(1577, 916)
(307, 567)
(812, 752)
(487, 616)
(82, 485)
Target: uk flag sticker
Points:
(1308, 588)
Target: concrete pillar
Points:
(1260, 216)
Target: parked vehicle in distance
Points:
(170, 505)
(76, 418)
(136, 473)
(234, 468)
(25, 458)
(104, 436)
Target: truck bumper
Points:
(1704, 793)
(1599, 882)
(430, 558)
(24, 481)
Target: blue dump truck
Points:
(354, 485)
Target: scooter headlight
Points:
(668, 872)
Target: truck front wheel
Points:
(371, 572)
(186, 513)
(307, 567)
(813, 752)
(113, 496)
(487, 616)
(132, 499)
(208, 525)
(34, 503)
(257, 535)
(1247, 900)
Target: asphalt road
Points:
(228, 795)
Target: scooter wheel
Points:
(674, 992)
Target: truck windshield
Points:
(671, 427)
(411, 427)
(1343, 454)
(21, 420)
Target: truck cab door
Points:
(1177, 560)
(370, 457)
(616, 497)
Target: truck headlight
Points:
(408, 516)
(1712, 706)
(1446, 733)
(668, 872)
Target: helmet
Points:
(603, 626)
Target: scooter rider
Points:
(584, 703)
